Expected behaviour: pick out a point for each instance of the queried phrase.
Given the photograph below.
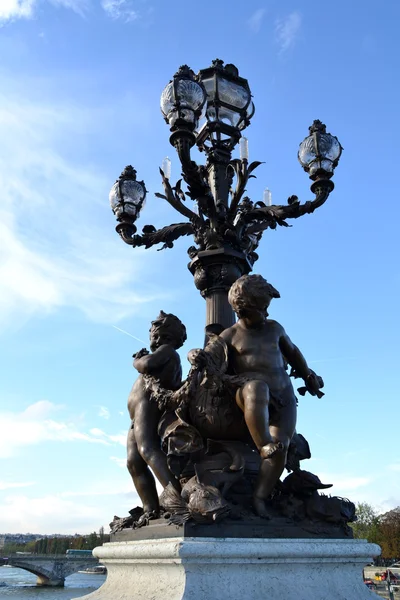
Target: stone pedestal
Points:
(184, 568)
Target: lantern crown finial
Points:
(317, 126)
(128, 173)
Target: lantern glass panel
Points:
(188, 94)
(167, 99)
(307, 151)
(209, 84)
(132, 192)
(225, 115)
(114, 196)
(232, 93)
(330, 147)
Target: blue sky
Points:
(80, 82)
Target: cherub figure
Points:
(259, 350)
(160, 369)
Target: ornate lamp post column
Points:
(210, 110)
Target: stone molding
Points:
(234, 569)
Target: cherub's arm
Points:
(299, 364)
(153, 362)
(293, 355)
(215, 349)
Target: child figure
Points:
(162, 367)
(259, 349)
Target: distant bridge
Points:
(51, 569)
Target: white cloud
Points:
(121, 462)
(287, 30)
(124, 10)
(104, 413)
(119, 438)
(120, 9)
(78, 6)
(394, 467)
(49, 514)
(344, 483)
(24, 9)
(16, 9)
(50, 256)
(80, 511)
(117, 489)
(256, 19)
(6, 485)
(34, 425)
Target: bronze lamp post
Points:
(211, 110)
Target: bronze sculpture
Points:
(163, 366)
(260, 350)
(219, 441)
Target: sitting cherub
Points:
(161, 368)
(259, 350)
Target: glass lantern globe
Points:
(182, 100)
(127, 196)
(319, 153)
(229, 106)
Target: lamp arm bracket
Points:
(243, 172)
(194, 175)
(266, 217)
(174, 197)
(151, 236)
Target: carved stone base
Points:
(254, 527)
(234, 569)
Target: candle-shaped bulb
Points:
(267, 197)
(166, 167)
(244, 148)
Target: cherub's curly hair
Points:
(251, 291)
(170, 326)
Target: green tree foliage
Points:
(367, 525)
(58, 545)
(92, 541)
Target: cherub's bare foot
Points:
(260, 507)
(270, 449)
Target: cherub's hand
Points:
(142, 352)
(314, 383)
(197, 358)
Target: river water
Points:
(21, 585)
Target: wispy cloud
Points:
(287, 30)
(344, 483)
(83, 510)
(121, 462)
(37, 424)
(24, 9)
(255, 21)
(394, 467)
(104, 413)
(6, 485)
(50, 256)
(78, 6)
(100, 490)
(49, 514)
(120, 9)
(125, 10)
(118, 438)
(16, 9)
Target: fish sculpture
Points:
(201, 502)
